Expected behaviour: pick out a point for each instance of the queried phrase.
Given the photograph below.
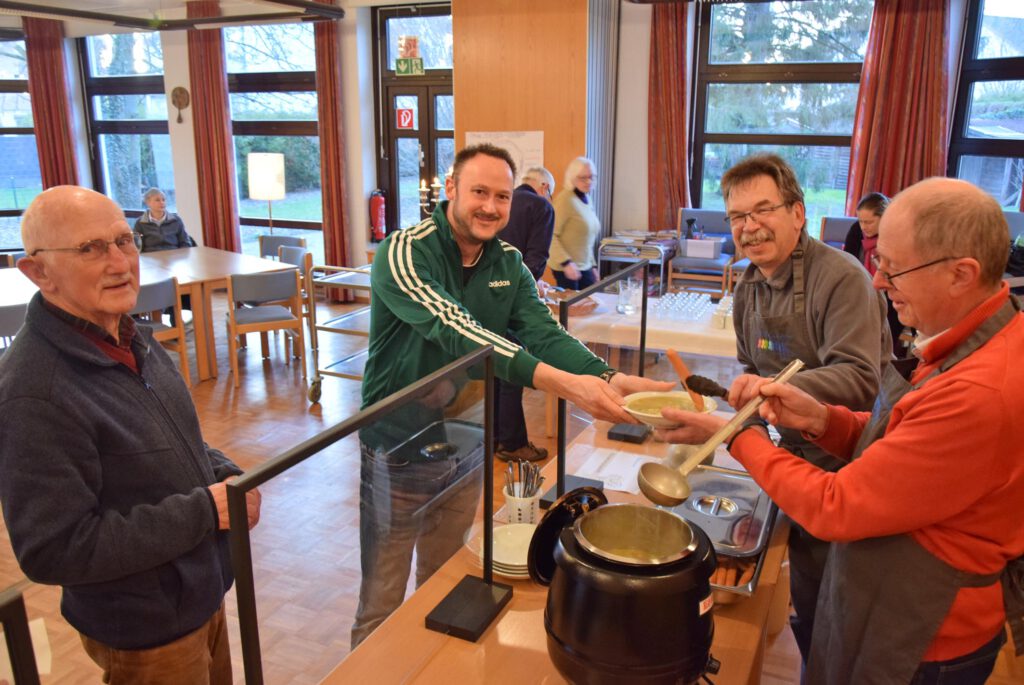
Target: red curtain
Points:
(215, 163)
(332, 142)
(901, 125)
(668, 181)
(51, 108)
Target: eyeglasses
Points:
(889, 277)
(97, 249)
(759, 214)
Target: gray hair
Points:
(539, 175)
(153, 192)
(575, 167)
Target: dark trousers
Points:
(586, 279)
(970, 669)
(807, 557)
(509, 420)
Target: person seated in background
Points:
(861, 241)
(158, 228)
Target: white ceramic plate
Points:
(511, 545)
(655, 418)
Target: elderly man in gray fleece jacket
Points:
(107, 487)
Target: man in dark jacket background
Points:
(531, 222)
(107, 487)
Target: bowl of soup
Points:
(647, 406)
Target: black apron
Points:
(776, 341)
(886, 597)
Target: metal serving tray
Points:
(464, 437)
(735, 513)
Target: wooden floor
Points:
(306, 546)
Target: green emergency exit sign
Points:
(409, 66)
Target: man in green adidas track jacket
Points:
(442, 289)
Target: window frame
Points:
(271, 82)
(705, 74)
(92, 86)
(16, 86)
(976, 70)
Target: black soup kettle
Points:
(629, 599)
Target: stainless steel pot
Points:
(629, 598)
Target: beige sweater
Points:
(577, 229)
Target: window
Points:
(987, 145)
(415, 114)
(779, 77)
(272, 83)
(127, 111)
(21, 180)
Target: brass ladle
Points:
(667, 485)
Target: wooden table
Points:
(605, 326)
(514, 647)
(200, 271)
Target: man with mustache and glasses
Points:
(108, 489)
(799, 298)
(442, 289)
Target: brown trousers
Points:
(203, 657)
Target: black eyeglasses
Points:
(889, 277)
(96, 249)
(759, 214)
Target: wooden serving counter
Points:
(514, 647)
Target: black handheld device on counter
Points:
(629, 432)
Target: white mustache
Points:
(761, 235)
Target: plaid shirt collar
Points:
(126, 328)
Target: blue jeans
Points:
(403, 505)
(971, 669)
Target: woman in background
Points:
(861, 241)
(158, 228)
(576, 228)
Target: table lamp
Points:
(266, 179)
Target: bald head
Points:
(954, 218)
(98, 284)
(52, 217)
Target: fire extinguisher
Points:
(378, 219)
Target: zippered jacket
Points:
(422, 317)
(103, 481)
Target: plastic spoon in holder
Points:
(668, 486)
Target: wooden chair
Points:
(270, 243)
(303, 260)
(153, 299)
(9, 259)
(834, 230)
(21, 658)
(270, 288)
(12, 316)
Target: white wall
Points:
(629, 200)
(360, 133)
(183, 148)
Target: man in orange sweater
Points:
(926, 516)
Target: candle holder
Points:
(430, 196)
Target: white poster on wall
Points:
(526, 147)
